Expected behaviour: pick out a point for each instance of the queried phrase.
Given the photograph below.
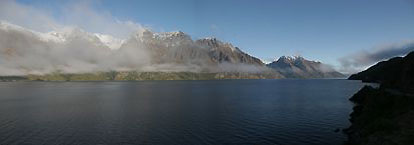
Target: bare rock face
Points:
(178, 49)
(169, 47)
(225, 52)
(299, 67)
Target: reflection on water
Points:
(176, 112)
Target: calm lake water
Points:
(285, 112)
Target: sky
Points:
(322, 30)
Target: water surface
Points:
(284, 112)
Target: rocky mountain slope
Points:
(73, 50)
(225, 52)
(299, 67)
(384, 115)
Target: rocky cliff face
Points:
(299, 67)
(220, 52)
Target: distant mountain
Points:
(299, 67)
(397, 72)
(178, 48)
(75, 51)
(225, 52)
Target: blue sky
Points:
(323, 30)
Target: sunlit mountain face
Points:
(75, 50)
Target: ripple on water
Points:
(176, 112)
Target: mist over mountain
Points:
(362, 59)
(299, 67)
(73, 50)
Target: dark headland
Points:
(384, 115)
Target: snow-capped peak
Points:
(6, 25)
(51, 36)
(66, 34)
(110, 41)
(54, 36)
(210, 38)
(291, 58)
(170, 35)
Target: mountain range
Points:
(73, 50)
(299, 67)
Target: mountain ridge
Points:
(73, 50)
(299, 67)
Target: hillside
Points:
(395, 73)
(384, 115)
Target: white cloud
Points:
(26, 16)
(79, 14)
(365, 58)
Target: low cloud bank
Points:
(24, 52)
(361, 60)
(78, 13)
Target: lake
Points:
(285, 112)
